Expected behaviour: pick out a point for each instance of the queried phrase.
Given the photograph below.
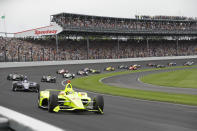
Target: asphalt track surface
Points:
(120, 113)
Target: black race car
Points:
(48, 78)
(15, 77)
(25, 86)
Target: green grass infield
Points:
(180, 78)
(92, 83)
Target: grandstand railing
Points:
(130, 31)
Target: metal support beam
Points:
(43, 54)
(118, 48)
(5, 47)
(177, 46)
(88, 46)
(57, 50)
(147, 46)
(19, 53)
(31, 53)
(49, 54)
(5, 53)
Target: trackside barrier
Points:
(21, 122)
(47, 63)
(4, 123)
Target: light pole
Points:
(31, 53)
(42, 54)
(19, 46)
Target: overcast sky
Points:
(28, 14)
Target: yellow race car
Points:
(69, 100)
(110, 68)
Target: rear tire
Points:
(37, 88)
(53, 102)
(8, 77)
(14, 87)
(98, 102)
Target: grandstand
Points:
(77, 36)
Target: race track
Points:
(119, 114)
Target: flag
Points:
(3, 17)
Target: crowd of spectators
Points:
(161, 17)
(161, 23)
(12, 49)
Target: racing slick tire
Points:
(86, 73)
(37, 88)
(98, 102)
(43, 80)
(8, 77)
(53, 102)
(39, 99)
(21, 78)
(14, 87)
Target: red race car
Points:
(133, 67)
(62, 71)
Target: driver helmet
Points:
(25, 78)
(68, 88)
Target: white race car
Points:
(48, 78)
(15, 77)
(25, 86)
(68, 75)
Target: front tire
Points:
(98, 104)
(53, 102)
(39, 99)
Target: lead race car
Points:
(69, 100)
(25, 86)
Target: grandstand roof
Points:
(133, 19)
(72, 29)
